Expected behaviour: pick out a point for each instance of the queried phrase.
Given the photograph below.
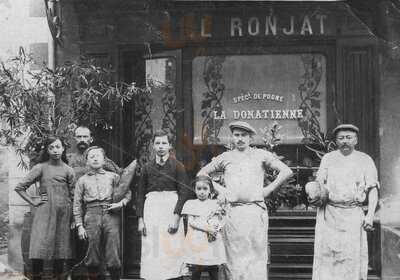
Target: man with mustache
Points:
(350, 178)
(246, 228)
(77, 161)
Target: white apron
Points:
(246, 240)
(162, 252)
(341, 246)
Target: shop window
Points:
(304, 164)
(157, 109)
(287, 89)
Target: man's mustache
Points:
(82, 144)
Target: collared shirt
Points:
(168, 177)
(164, 159)
(78, 162)
(243, 173)
(95, 186)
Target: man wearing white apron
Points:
(163, 189)
(246, 229)
(350, 177)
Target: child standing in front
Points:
(100, 223)
(204, 248)
(50, 233)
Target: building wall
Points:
(23, 23)
(389, 126)
(389, 131)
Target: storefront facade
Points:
(303, 66)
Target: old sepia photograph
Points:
(200, 139)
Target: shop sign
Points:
(289, 89)
(270, 25)
(192, 27)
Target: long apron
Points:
(246, 239)
(340, 250)
(51, 234)
(162, 252)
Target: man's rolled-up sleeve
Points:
(217, 164)
(371, 174)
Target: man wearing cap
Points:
(247, 225)
(350, 177)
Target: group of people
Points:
(83, 196)
(224, 228)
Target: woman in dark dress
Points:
(50, 234)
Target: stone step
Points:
(291, 230)
(290, 268)
(286, 258)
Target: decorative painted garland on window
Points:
(169, 106)
(212, 99)
(310, 96)
(143, 127)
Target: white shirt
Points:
(347, 177)
(163, 159)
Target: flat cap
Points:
(341, 127)
(242, 125)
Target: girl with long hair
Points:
(204, 247)
(51, 231)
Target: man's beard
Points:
(82, 146)
(346, 148)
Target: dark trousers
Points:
(198, 269)
(102, 228)
(76, 265)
